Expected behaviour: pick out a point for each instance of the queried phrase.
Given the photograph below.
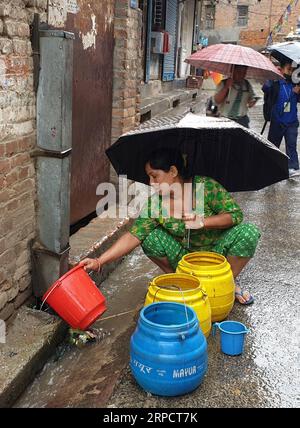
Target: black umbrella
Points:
(236, 157)
(286, 51)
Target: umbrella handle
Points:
(264, 127)
(230, 77)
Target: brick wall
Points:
(127, 68)
(17, 139)
(256, 32)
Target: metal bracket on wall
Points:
(47, 267)
(51, 153)
(57, 33)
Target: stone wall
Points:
(127, 68)
(17, 140)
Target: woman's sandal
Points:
(247, 302)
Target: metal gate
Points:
(92, 24)
(168, 71)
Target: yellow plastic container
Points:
(182, 288)
(214, 273)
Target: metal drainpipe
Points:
(179, 40)
(194, 23)
(53, 158)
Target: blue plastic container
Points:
(168, 351)
(232, 336)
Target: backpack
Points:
(270, 99)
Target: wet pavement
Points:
(266, 375)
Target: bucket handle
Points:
(172, 287)
(214, 328)
(217, 325)
(54, 288)
(193, 274)
(175, 287)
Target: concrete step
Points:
(162, 103)
(31, 339)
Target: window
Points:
(242, 16)
(158, 14)
(210, 17)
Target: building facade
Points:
(247, 22)
(71, 77)
(54, 109)
(169, 33)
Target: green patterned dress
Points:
(166, 237)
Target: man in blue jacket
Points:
(284, 116)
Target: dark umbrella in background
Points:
(237, 157)
(286, 51)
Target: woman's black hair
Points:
(285, 62)
(164, 158)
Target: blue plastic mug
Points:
(232, 336)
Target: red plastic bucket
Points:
(76, 299)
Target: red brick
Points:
(23, 172)
(2, 245)
(20, 159)
(7, 311)
(27, 143)
(4, 166)
(130, 121)
(12, 177)
(22, 297)
(2, 276)
(11, 148)
(7, 257)
(4, 196)
(12, 206)
(5, 285)
(24, 282)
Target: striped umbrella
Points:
(221, 58)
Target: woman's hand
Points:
(91, 264)
(193, 221)
(251, 103)
(229, 83)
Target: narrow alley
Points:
(264, 376)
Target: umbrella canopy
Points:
(221, 57)
(286, 51)
(236, 157)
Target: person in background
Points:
(284, 115)
(235, 95)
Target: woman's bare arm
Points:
(120, 248)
